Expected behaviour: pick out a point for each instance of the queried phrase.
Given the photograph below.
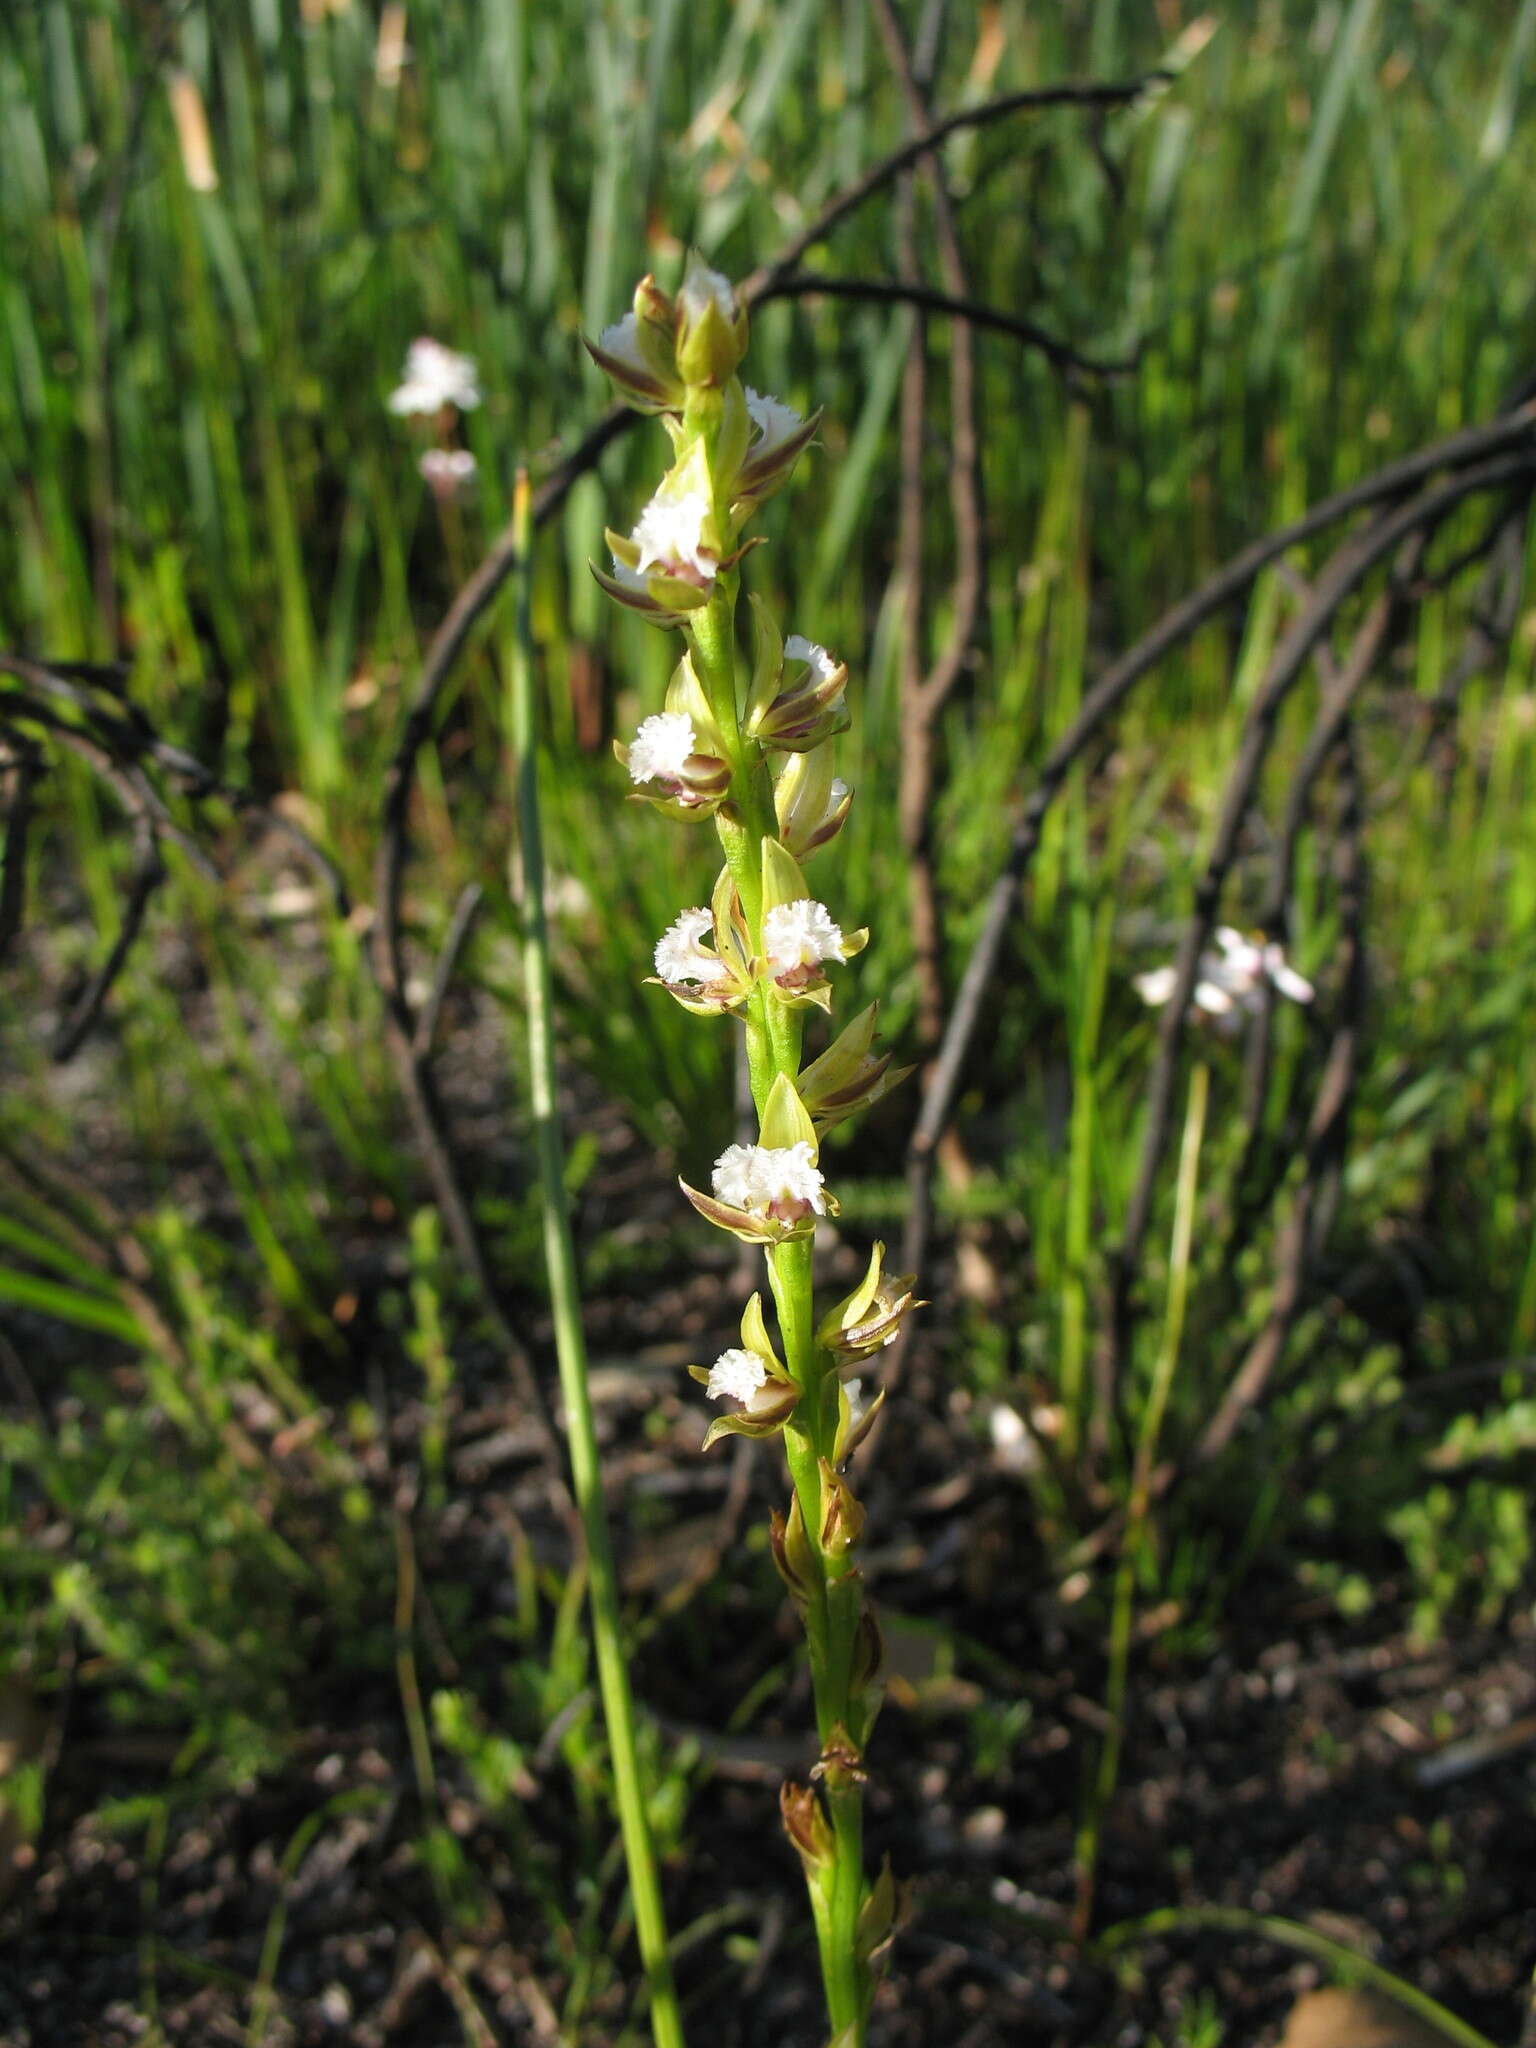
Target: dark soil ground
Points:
(1288, 1776)
(1311, 1770)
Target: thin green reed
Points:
(570, 1340)
(750, 749)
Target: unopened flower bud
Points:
(639, 352)
(871, 1316)
(848, 1076)
(807, 1826)
(868, 1654)
(809, 802)
(711, 326)
(842, 1517)
(793, 1557)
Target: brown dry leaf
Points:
(1337, 2018)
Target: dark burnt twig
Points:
(448, 956)
(1076, 367)
(1086, 93)
(1341, 685)
(1327, 1127)
(23, 771)
(1453, 453)
(924, 694)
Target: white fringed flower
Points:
(800, 935)
(736, 1376)
(681, 960)
(1229, 983)
(433, 377)
(782, 1181)
(661, 747)
(775, 422)
(670, 537)
(816, 659)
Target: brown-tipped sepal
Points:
(807, 1826)
(810, 803)
(871, 1316)
(842, 1517)
(794, 1559)
(780, 439)
(849, 1076)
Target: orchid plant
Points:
(746, 745)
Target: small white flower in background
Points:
(799, 936)
(736, 1376)
(661, 746)
(775, 422)
(670, 537)
(681, 960)
(447, 470)
(433, 377)
(782, 1181)
(1229, 982)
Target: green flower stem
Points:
(570, 1342)
(773, 1032)
(834, 1602)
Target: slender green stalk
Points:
(833, 1604)
(570, 1341)
(1131, 1547)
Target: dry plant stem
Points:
(570, 1340)
(1131, 1544)
(835, 1598)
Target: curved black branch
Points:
(892, 291)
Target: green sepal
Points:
(743, 1224)
(851, 1434)
(848, 1076)
(782, 880)
(877, 1916)
(767, 663)
(786, 1120)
